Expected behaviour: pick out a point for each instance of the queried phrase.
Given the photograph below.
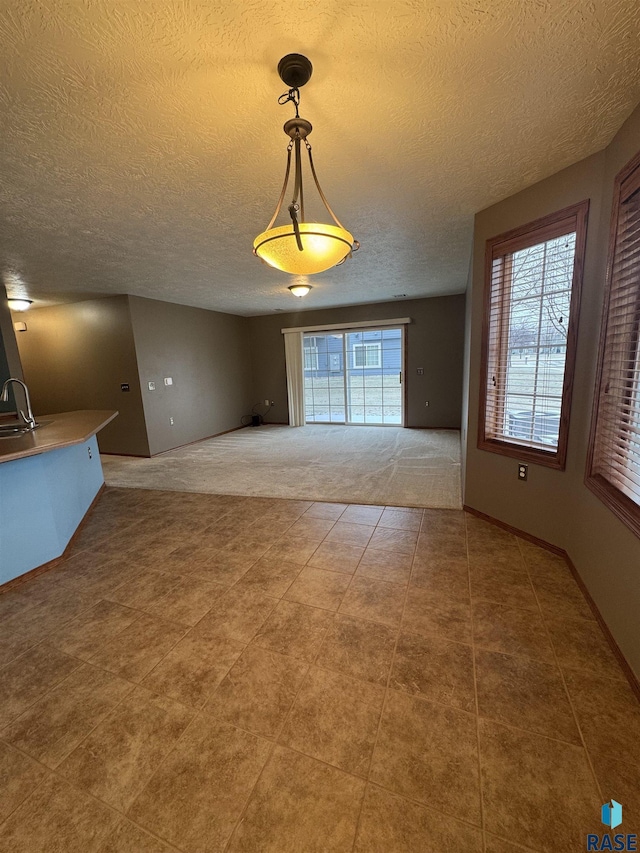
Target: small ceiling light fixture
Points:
(19, 304)
(300, 289)
(302, 248)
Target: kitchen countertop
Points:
(64, 430)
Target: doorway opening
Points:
(354, 377)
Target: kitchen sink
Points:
(15, 430)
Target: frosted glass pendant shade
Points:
(323, 246)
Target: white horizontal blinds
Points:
(531, 284)
(498, 334)
(617, 439)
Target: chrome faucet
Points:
(29, 418)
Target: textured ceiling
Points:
(142, 146)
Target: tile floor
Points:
(208, 673)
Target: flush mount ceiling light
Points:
(301, 248)
(19, 304)
(300, 289)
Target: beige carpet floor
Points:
(368, 465)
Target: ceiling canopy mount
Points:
(295, 70)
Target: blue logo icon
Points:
(612, 814)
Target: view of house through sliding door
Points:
(354, 377)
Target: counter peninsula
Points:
(49, 478)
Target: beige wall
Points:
(76, 356)
(206, 354)
(556, 505)
(434, 342)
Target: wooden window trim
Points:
(622, 506)
(573, 218)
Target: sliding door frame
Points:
(344, 330)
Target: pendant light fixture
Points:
(301, 248)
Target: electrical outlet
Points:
(171, 421)
(266, 402)
(152, 386)
(427, 403)
(90, 453)
(420, 371)
(272, 403)
(523, 471)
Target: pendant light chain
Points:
(292, 95)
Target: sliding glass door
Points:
(354, 377)
(324, 389)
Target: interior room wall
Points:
(9, 358)
(206, 355)
(556, 505)
(466, 376)
(76, 356)
(4, 375)
(435, 339)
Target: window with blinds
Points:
(613, 470)
(532, 299)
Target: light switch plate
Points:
(168, 380)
